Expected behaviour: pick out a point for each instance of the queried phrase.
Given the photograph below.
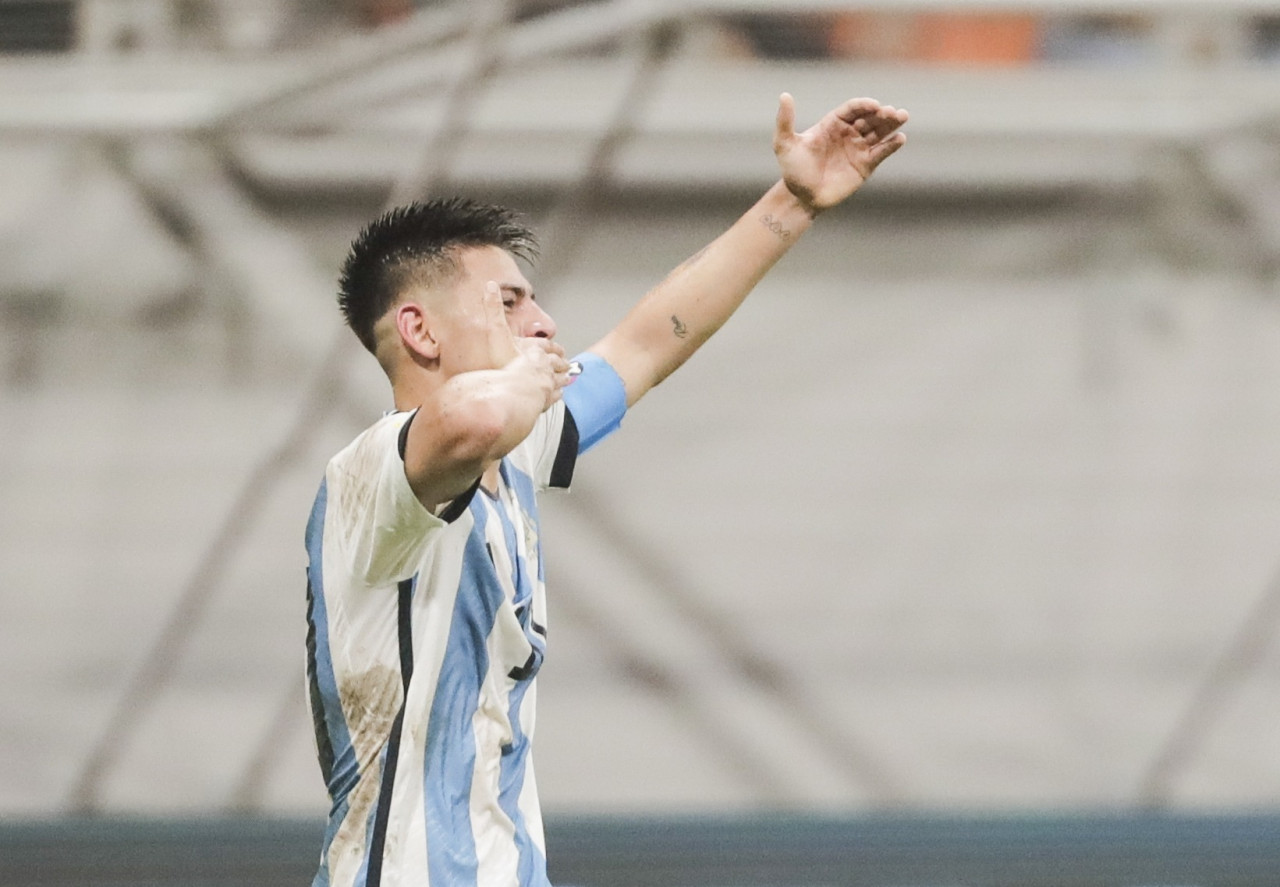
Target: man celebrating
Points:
(426, 609)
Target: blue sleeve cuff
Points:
(596, 398)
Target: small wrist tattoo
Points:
(678, 327)
(775, 226)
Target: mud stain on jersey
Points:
(370, 700)
(355, 494)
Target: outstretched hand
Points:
(830, 160)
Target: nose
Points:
(539, 324)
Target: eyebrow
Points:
(516, 290)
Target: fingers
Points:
(555, 348)
(870, 119)
(888, 120)
(556, 358)
(560, 366)
(856, 109)
(546, 353)
(547, 360)
(548, 346)
(886, 148)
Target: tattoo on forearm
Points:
(678, 327)
(775, 226)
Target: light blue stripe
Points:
(345, 771)
(331, 830)
(532, 866)
(450, 752)
(518, 578)
(522, 485)
(362, 876)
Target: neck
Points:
(410, 390)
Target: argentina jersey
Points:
(425, 636)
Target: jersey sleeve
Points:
(591, 409)
(597, 399)
(551, 449)
(382, 527)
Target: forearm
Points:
(472, 421)
(678, 315)
(494, 410)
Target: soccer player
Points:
(426, 610)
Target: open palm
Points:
(831, 159)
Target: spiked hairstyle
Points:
(418, 244)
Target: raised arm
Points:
(821, 167)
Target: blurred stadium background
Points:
(954, 560)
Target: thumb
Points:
(502, 344)
(785, 128)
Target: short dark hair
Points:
(419, 243)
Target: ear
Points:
(416, 330)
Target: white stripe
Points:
(492, 829)
(530, 809)
(432, 619)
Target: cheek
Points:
(517, 321)
(467, 343)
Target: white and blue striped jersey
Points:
(425, 636)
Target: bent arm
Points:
(678, 315)
(475, 419)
